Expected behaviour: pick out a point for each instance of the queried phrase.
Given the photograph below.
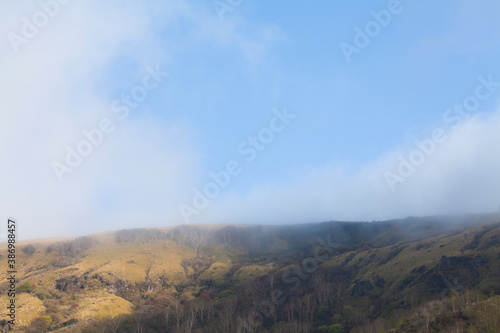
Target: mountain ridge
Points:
(348, 274)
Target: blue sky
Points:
(223, 78)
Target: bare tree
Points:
(115, 325)
(465, 298)
(290, 311)
(228, 312)
(309, 307)
(178, 311)
(165, 320)
(190, 317)
(425, 315)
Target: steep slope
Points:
(316, 277)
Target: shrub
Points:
(139, 235)
(335, 328)
(390, 307)
(73, 248)
(323, 313)
(40, 324)
(29, 249)
(42, 294)
(26, 287)
(226, 293)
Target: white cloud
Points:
(468, 31)
(49, 94)
(63, 81)
(461, 176)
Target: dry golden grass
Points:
(133, 261)
(216, 271)
(28, 307)
(110, 260)
(279, 245)
(101, 304)
(246, 273)
(130, 261)
(397, 268)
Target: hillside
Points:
(432, 274)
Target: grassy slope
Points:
(372, 263)
(109, 263)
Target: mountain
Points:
(419, 274)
